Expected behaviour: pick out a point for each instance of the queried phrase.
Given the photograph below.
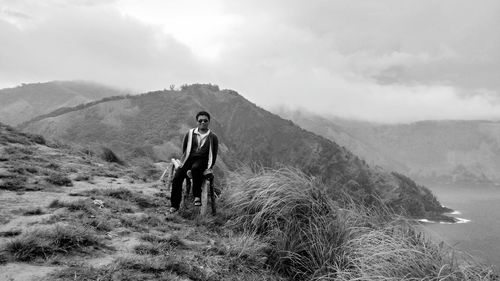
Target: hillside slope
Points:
(444, 152)
(67, 215)
(150, 126)
(24, 102)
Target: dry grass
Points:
(398, 252)
(141, 200)
(312, 237)
(44, 243)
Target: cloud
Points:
(95, 44)
(389, 61)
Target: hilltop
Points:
(26, 101)
(149, 127)
(69, 215)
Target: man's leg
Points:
(197, 170)
(176, 193)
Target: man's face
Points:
(203, 122)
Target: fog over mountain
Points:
(447, 152)
(391, 61)
(26, 101)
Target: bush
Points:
(109, 156)
(33, 212)
(37, 139)
(83, 177)
(59, 179)
(13, 182)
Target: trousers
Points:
(197, 167)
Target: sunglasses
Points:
(203, 121)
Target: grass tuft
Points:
(79, 205)
(47, 242)
(141, 200)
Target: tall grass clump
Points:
(315, 237)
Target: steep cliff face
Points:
(151, 125)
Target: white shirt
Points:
(201, 138)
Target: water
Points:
(480, 236)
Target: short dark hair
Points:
(202, 113)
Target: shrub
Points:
(99, 223)
(33, 212)
(15, 150)
(109, 156)
(53, 166)
(13, 182)
(58, 179)
(83, 177)
(37, 139)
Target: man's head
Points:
(203, 119)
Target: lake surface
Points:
(480, 237)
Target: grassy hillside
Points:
(107, 222)
(24, 102)
(150, 127)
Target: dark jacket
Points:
(208, 151)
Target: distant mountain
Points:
(151, 126)
(24, 102)
(444, 152)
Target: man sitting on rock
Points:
(199, 148)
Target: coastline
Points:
(445, 217)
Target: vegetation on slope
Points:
(315, 237)
(273, 225)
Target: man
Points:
(199, 148)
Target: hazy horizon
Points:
(389, 61)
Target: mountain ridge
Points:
(35, 99)
(457, 152)
(151, 125)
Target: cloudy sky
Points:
(386, 61)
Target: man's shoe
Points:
(197, 201)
